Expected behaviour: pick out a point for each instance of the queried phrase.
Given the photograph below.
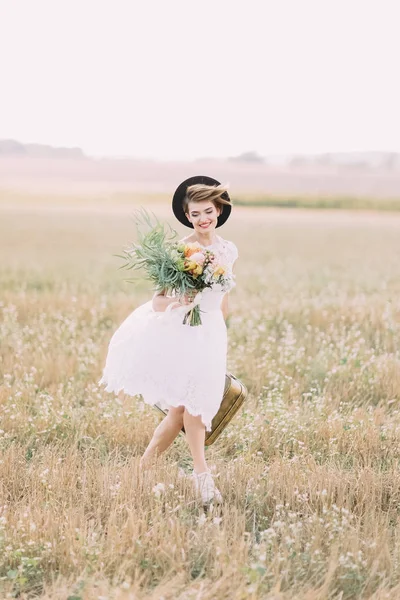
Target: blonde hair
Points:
(199, 192)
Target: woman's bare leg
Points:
(195, 434)
(163, 435)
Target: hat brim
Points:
(180, 193)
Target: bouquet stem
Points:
(193, 316)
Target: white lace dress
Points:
(154, 355)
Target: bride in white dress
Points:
(181, 368)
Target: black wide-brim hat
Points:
(180, 193)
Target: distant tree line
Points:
(14, 148)
(343, 160)
(349, 160)
(250, 157)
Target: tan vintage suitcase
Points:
(235, 393)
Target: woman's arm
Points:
(161, 301)
(225, 305)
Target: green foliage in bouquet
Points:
(159, 254)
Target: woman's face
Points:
(203, 215)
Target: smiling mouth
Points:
(205, 225)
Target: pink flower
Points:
(198, 258)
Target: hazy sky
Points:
(185, 79)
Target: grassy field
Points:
(309, 468)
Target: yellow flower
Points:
(198, 270)
(190, 265)
(219, 271)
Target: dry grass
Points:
(309, 469)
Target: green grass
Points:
(319, 202)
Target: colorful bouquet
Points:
(177, 267)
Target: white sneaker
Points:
(204, 484)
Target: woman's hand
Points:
(162, 303)
(186, 301)
(189, 297)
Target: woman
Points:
(180, 368)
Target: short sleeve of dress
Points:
(232, 252)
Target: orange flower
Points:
(191, 249)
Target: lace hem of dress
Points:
(164, 402)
